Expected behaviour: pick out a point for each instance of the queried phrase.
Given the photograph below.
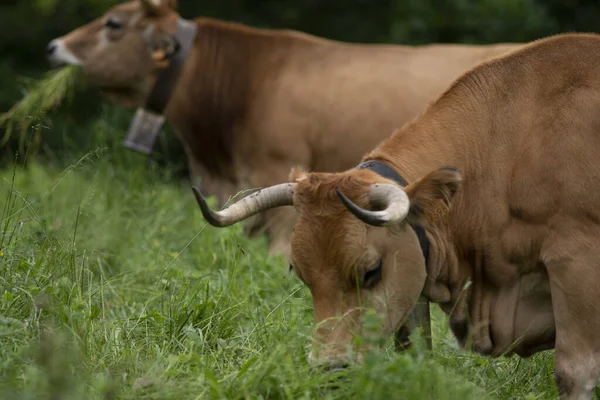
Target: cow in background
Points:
(251, 103)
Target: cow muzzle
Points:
(59, 55)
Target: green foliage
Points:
(461, 21)
(113, 286)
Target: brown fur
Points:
(252, 103)
(523, 132)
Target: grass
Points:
(41, 96)
(113, 286)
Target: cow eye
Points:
(112, 23)
(373, 276)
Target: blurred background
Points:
(87, 121)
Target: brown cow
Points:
(503, 175)
(252, 103)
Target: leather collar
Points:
(149, 118)
(387, 172)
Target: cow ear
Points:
(158, 7)
(430, 197)
(298, 174)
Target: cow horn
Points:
(261, 200)
(394, 200)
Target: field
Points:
(113, 286)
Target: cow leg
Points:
(195, 169)
(279, 225)
(221, 189)
(419, 318)
(195, 175)
(574, 272)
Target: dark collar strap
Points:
(165, 82)
(148, 120)
(387, 172)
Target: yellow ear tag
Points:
(440, 210)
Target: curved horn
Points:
(261, 200)
(393, 198)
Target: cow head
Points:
(122, 51)
(353, 246)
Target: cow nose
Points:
(51, 48)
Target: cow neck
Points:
(222, 82)
(149, 118)
(388, 172)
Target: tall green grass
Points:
(27, 119)
(113, 286)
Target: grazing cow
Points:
(249, 104)
(498, 181)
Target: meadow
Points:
(113, 286)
